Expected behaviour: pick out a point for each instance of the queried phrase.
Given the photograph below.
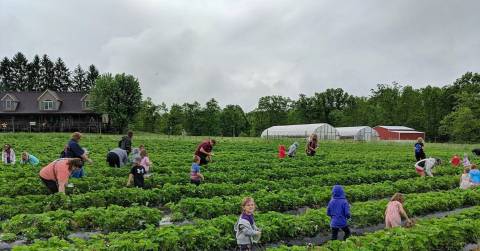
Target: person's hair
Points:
(419, 140)
(25, 154)
(143, 153)
(8, 146)
(130, 134)
(141, 146)
(137, 160)
(438, 161)
(314, 136)
(196, 158)
(398, 197)
(74, 163)
(473, 166)
(247, 200)
(466, 170)
(76, 136)
(213, 141)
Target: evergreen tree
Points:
(19, 68)
(47, 74)
(34, 74)
(6, 81)
(79, 80)
(61, 79)
(92, 75)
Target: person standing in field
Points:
(117, 157)
(196, 176)
(426, 166)
(474, 175)
(246, 231)
(8, 155)
(395, 211)
(74, 150)
(312, 145)
(55, 175)
(419, 151)
(126, 142)
(339, 211)
(292, 150)
(204, 151)
(136, 174)
(29, 159)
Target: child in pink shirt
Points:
(145, 162)
(395, 211)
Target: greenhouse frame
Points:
(364, 133)
(324, 131)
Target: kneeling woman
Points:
(55, 175)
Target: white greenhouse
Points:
(365, 133)
(324, 131)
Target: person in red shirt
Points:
(204, 151)
(55, 175)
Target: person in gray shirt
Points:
(117, 157)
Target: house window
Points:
(87, 105)
(47, 105)
(9, 105)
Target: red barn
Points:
(398, 133)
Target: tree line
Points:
(448, 113)
(41, 73)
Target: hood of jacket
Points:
(337, 192)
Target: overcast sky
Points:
(237, 51)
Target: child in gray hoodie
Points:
(247, 232)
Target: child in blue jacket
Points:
(339, 211)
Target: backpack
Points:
(123, 143)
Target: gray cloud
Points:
(238, 51)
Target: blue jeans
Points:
(78, 173)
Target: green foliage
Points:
(118, 96)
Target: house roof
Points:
(70, 103)
(397, 128)
(413, 132)
(9, 95)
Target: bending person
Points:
(29, 159)
(117, 157)
(426, 165)
(204, 151)
(55, 175)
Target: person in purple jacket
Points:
(339, 211)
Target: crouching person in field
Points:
(292, 150)
(136, 174)
(339, 211)
(55, 175)
(395, 212)
(426, 166)
(247, 233)
(29, 159)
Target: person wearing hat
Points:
(426, 166)
(136, 174)
(74, 150)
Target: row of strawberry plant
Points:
(450, 233)
(217, 234)
(173, 193)
(311, 196)
(61, 222)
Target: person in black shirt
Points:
(136, 174)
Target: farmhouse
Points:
(364, 133)
(48, 111)
(398, 133)
(324, 131)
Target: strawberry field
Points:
(100, 213)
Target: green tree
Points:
(6, 80)
(148, 117)
(19, 71)
(46, 74)
(92, 75)
(462, 125)
(120, 97)
(174, 120)
(79, 80)
(210, 118)
(192, 118)
(233, 121)
(34, 74)
(61, 78)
